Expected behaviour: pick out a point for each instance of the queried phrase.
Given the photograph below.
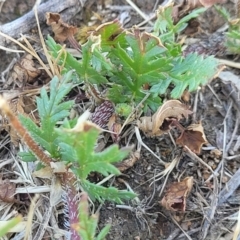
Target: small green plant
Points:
(131, 65)
(87, 227)
(73, 145)
(233, 34)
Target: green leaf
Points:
(51, 110)
(88, 223)
(103, 232)
(112, 34)
(191, 72)
(78, 147)
(143, 62)
(87, 69)
(27, 156)
(6, 226)
(100, 193)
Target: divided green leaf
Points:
(51, 110)
(78, 148)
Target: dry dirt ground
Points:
(211, 213)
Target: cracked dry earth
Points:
(213, 203)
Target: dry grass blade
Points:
(44, 46)
(237, 229)
(230, 63)
(11, 50)
(28, 232)
(141, 13)
(144, 145)
(34, 54)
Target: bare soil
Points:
(215, 105)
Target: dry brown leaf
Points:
(152, 126)
(58, 167)
(45, 172)
(129, 162)
(193, 137)
(115, 127)
(175, 197)
(24, 105)
(7, 191)
(24, 71)
(62, 31)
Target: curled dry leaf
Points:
(193, 137)
(129, 162)
(175, 197)
(114, 127)
(153, 126)
(7, 191)
(24, 71)
(62, 31)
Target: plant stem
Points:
(23, 133)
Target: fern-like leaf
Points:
(51, 110)
(77, 147)
(100, 193)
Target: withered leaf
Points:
(181, 8)
(193, 137)
(7, 191)
(114, 127)
(129, 162)
(24, 71)
(151, 126)
(175, 197)
(45, 172)
(62, 31)
(23, 105)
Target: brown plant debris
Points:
(115, 127)
(62, 31)
(24, 71)
(153, 126)
(175, 197)
(7, 191)
(193, 137)
(129, 162)
(23, 105)
(182, 8)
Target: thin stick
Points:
(142, 14)
(30, 217)
(229, 63)
(193, 156)
(237, 229)
(43, 43)
(144, 145)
